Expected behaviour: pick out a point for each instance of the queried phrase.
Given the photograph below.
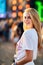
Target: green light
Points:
(39, 9)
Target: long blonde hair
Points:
(36, 23)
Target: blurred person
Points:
(16, 32)
(14, 26)
(11, 21)
(6, 30)
(13, 34)
(19, 19)
(2, 23)
(30, 41)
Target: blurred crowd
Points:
(10, 28)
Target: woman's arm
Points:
(28, 58)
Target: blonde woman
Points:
(30, 41)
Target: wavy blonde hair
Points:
(36, 23)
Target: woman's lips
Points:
(27, 22)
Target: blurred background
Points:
(11, 27)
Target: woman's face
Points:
(27, 22)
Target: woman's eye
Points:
(25, 17)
